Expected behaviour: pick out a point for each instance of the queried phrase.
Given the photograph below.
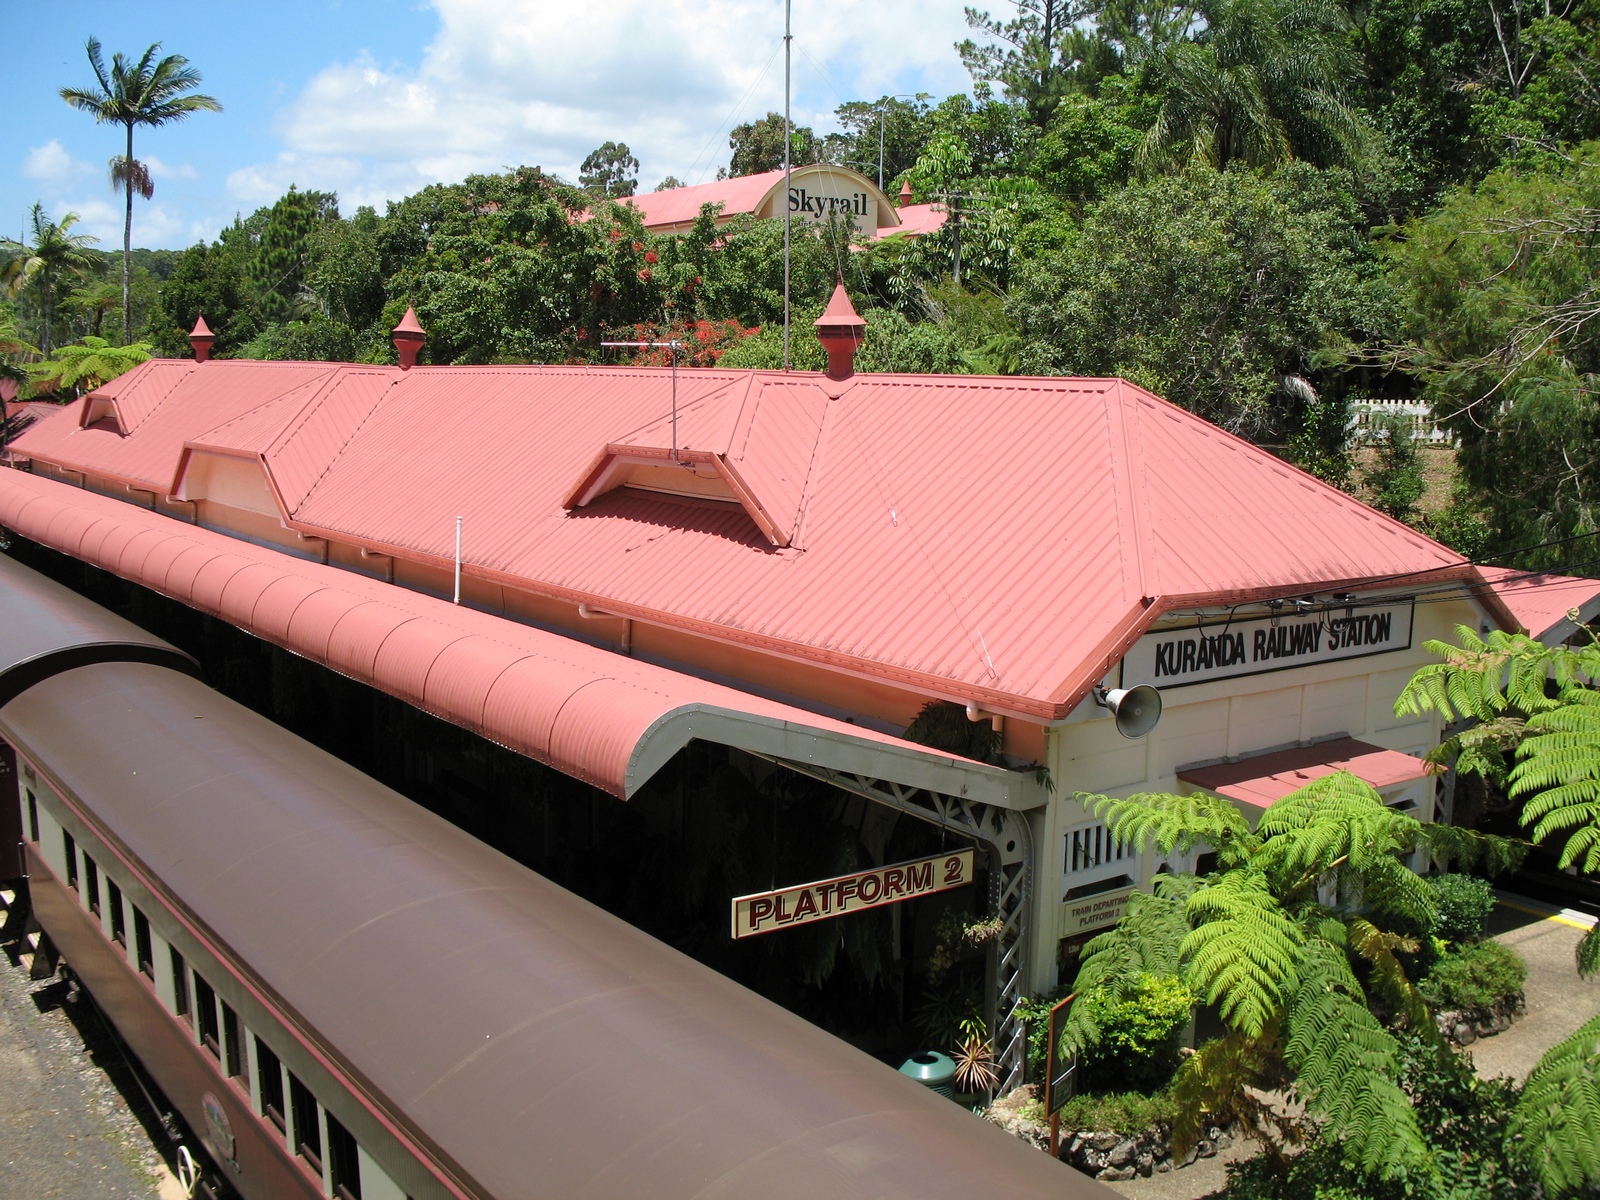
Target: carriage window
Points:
(180, 983)
(71, 847)
(234, 1059)
(271, 1084)
(344, 1161)
(91, 882)
(307, 1130)
(205, 1007)
(143, 948)
(119, 927)
(33, 818)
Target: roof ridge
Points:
(377, 402)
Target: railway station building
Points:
(609, 571)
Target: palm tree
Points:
(147, 93)
(55, 253)
(1264, 82)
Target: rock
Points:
(1194, 1153)
(1163, 1166)
(1463, 1034)
(1145, 1164)
(1115, 1174)
(1074, 1146)
(1205, 1149)
(1223, 1140)
(1124, 1152)
(1105, 1141)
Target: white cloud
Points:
(160, 169)
(52, 163)
(509, 82)
(154, 224)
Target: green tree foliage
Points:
(1558, 1117)
(84, 366)
(282, 261)
(1498, 291)
(1210, 288)
(42, 268)
(1264, 82)
(147, 94)
(1292, 974)
(902, 122)
(610, 170)
(1394, 482)
(758, 146)
(208, 280)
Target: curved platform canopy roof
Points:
(530, 1043)
(609, 720)
(46, 629)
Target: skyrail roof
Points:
(984, 539)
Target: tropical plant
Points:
(54, 257)
(1286, 940)
(1558, 1116)
(611, 170)
(1266, 81)
(85, 366)
(974, 1058)
(148, 93)
(1475, 976)
(1463, 903)
(1138, 1032)
(1394, 481)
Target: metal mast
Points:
(788, 168)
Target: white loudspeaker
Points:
(1136, 709)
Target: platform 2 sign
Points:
(1224, 650)
(764, 912)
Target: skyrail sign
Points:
(1225, 650)
(764, 912)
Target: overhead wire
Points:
(727, 119)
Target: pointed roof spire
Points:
(905, 194)
(408, 337)
(841, 331)
(201, 338)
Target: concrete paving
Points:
(72, 1122)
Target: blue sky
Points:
(376, 98)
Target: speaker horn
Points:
(1135, 709)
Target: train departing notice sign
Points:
(764, 912)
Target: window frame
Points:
(33, 815)
(70, 845)
(235, 1049)
(144, 945)
(181, 1004)
(91, 882)
(205, 1004)
(270, 1067)
(305, 1118)
(344, 1160)
(119, 921)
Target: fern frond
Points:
(1346, 1065)
(1454, 845)
(1389, 977)
(1481, 677)
(1588, 952)
(1241, 954)
(1223, 1081)
(1175, 823)
(1336, 822)
(1557, 1120)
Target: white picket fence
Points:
(1364, 414)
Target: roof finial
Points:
(905, 193)
(408, 338)
(841, 331)
(201, 337)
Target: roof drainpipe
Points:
(841, 331)
(976, 714)
(201, 338)
(408, 338)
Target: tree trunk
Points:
(127, 241)
(44, 303)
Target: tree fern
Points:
(1557, 1120)
(1231, 1079)
(1377, 947)
(1175, 823)
(1558, 771)
(1242, 951)
(1345, 1065)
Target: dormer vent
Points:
(408, 338)
(201, 338)
(841, 331)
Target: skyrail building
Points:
(602, 573)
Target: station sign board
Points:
(1222, 649)
(764, 912)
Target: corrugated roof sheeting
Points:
(585, 711)
(973, 536)
(139, 393)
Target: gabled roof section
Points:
(1544, 604)
(126, 401)
(750, 443)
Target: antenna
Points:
(672, 347)
(788, 169)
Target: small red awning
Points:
(1264, 778)
(607, 719)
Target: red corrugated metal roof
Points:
(593, 714)
(999, 540)
(675, 206)
(916, 220)
(1541, 603)
(1263, 779)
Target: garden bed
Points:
(1128, 1135)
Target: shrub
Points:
(1464, 903)
(1122, 1112)
(1137, 1042)
(1473, 976)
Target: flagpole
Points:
(788, 169)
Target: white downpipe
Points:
(458, 561)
